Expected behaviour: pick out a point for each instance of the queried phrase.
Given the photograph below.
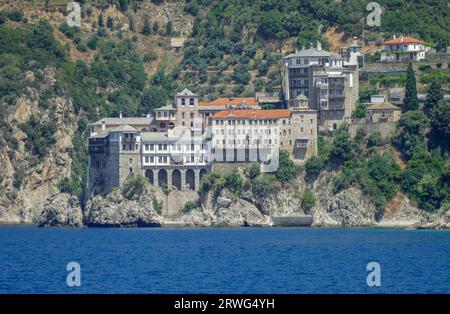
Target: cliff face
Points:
(23, 202)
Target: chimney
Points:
(120, 114)
(103, 125)
(311, 45)
(393, 36)
(401, 39)
(319, 46)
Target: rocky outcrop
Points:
(63, 211)
(114, 210)
(223, 209)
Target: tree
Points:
(153, 97)
(270, 24)
(411, 133)
(134, 185)
(146, 30)
(169, 29)
(286, 168)
(360, 111)
(312, 167)
(434, 95)
(342, 146)
(131, 25)
(410, 102)
(440, 125)
(109, 22)
(123, 5)
(100, 21)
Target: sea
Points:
(223, 260)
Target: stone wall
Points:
(385, 128)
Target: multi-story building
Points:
(177, 144)
(331, 85)
(403, 48)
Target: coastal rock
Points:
(347, 209)
(223, 202)
(114, 210)
(63, 211)
(238, 212)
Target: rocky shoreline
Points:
(155, 207)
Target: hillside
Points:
(55, 79)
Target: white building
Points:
(403, 48)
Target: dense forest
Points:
(234, 49)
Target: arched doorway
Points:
(176, 179)
(190, 178)
(149, 176)
(162, 178)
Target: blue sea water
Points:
(228, 260)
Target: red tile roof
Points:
(252, 114)
(403, 40)
(249, 101)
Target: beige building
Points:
(382, 112)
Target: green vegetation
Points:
(40, 135)
(410, 102)
(308, 200)
(134, 185)
(360, 111)
(287, 170)
(157, 205)
(189, 206)
(231, 180)
(434, 95)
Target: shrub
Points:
(189, 206)
(134, 185)
(313, 166)
(19, 175)
(360, 111)
(40, 135)
(92, 42)
(374, 139)
(15, 15)
(157, 206)
(308, 200)
(150, 56)
(262, 185)
(253, 171)
(67, 30)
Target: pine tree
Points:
(434, 95)
(109, 22)
(169, 29)
(146, 28)
(410, 102)
(100, 21)
(131, 22)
